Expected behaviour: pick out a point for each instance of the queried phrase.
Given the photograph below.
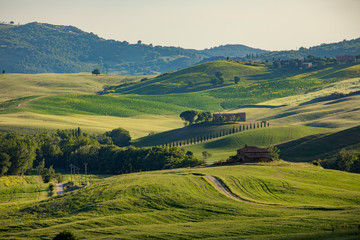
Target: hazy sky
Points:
(199, 24)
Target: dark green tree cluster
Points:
(347, 161)
(103, 153)
(296, 64)
(112, 159)
(191, 117)
(17, 153)
(218, 80)
(47, 174)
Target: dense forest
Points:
(106, 153)
(39, 48)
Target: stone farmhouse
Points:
(249, 154)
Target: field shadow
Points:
(261, 106)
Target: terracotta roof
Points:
(252, 149)
(258, 155)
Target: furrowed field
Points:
(296, 201)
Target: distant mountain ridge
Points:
(345, 47)
(39, 47)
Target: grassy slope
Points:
(23, 85)
(340, 113)
(177, 204)
(249, 92)
(139, 126)
(256, 90)
(312, 148)
(185, 133)
(200, 75)
(16, 189)
(226, 146)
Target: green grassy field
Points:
(226, 146)
(15, 190)
(340, 113)
(300, 202)
(199, 75)
(322, 146)
(23, 85)
(138, 126)
(44, 103)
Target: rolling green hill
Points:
(43, 105)
(194, 78)
(319, 146)
(226, 146)
(220, 98)
(298, 202)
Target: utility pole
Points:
(78, 175)
(71, 172)
(85, 173)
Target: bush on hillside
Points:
(65, 235)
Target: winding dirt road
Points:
(26, 102)
(224, 191)
(59, 188)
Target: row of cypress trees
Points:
(211, 136)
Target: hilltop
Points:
(41, 48)
(195, 78)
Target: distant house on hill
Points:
(307, 64)
(345, 58)
(225, 117)
(249, 154)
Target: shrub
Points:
(65, 235)
(59, 177)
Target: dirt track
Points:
(26, 102)
(224, 191)
(59, 188)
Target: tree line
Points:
(220, 133)
(107, 153)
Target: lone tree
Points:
(236, 80)
(218, 74)
(96, 71)
(189, 116)
(274, 151)
(206, 155)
